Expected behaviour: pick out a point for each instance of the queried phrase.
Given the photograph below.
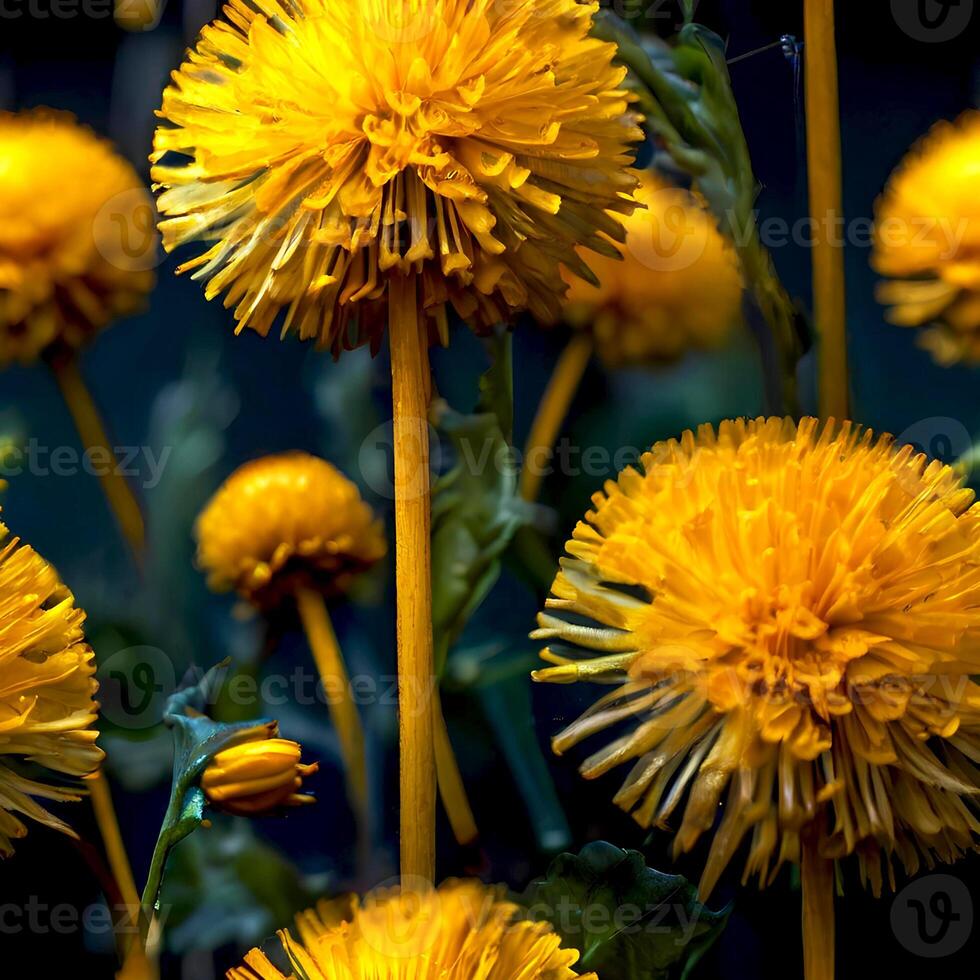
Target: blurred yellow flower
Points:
(257, 777)
(284, 522)
(47, 688)
(77, 242)
(678, 287)
(330, 145)
(462, 931)
(927, 240)
(791, 616)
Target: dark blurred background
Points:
(176, 380)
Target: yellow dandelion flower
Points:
(679, 286)
(461, 931)
(286, 521)
(47, 688)
(75, 252)
(791, 616)
(470, 143)
(927, 241)
(257, 777)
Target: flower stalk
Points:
(817, 873)
(824, 175)
(411, 392)
(553, 410)
(91, 430)
(105, 816)
(452, 791)
(337, 688)
(123, 504)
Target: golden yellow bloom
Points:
(678, 287)
(791, 617)
(257, 777)
(471, 142)
(927, 239)
(76, 235)
(286, 521)
(462, 931)
(47, 688)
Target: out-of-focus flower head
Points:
(285, 521)
(77, 241)
(790, 616)
(677, 288)
(258, 776)
(460, 931)
(331, 145)
(47, 689)
(927, 241)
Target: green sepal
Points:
(197, 740)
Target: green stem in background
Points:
(684, 91)
(507, 705)
(779, 313)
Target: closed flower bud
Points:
(257, 777)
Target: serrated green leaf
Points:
(628, 921)
(476, 509)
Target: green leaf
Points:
(628, 921)
(507, 705)
(476, 510)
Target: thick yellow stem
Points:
(416, 673)
(452, 792)
(555, 402)
(337, 688)
(117, 490)
(818, 912)
(826, 209)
